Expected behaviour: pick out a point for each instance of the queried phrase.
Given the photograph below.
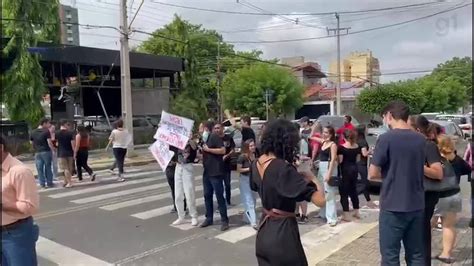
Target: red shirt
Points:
(340, 131)
(315, 145)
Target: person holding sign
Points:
(184, 183)
(213, 151)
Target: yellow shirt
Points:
(19, 188)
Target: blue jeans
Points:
(246, 196)
(395, 227)
(19, 244)
(211, 185)
(329, 212)
(43, 167)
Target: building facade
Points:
(357, 67)
(69, 32)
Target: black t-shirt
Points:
(400, 153)
(247, 133)
(229, 145)
(64, 138)
(213, 163)
(363, 144)
(40, 137)
(188, 155)
(245, 162)
(432, 153)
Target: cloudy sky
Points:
(415, 46)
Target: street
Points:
(129, 224)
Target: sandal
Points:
(449, 260)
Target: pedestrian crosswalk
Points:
(150, 189)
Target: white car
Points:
(463, 121)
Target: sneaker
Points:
(255, 227)
(69, 185)
(206, 223)
(194, 221)
(303, 220)
(178, 221)
(225, 227)
(120, 179)
(93, 177)
(332, 224)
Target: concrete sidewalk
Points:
(104, 160)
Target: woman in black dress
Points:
(349, 155)
(280, 186)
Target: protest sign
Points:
(161, 152)
(174, 130)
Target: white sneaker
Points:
(194, 221)
(178, 221)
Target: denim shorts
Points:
(451, 204)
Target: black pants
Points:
(119, 154)
(81, 162)
(363, 171)
(348, 187)
(227, 186)
(431, 199)
(170, 170)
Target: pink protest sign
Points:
(162, 153)
(174, 130)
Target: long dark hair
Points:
(361, 132)
(82, 131)
(350, 136)
(281, 138)
(332, 132)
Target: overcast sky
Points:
(419, 45)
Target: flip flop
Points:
(449, 260)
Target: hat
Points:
(304, 119)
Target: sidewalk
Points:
(101, 160)
(365, 250)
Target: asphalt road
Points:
(128, 223)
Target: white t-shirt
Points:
(120, 138)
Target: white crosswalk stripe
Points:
(134, 202)
(109, 186)
(164, 210)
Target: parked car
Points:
(430, 116)
(463, 121)
(452, 130)
(334, 121)
(376, 131)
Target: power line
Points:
(90, 26)
(136, 13)
(290, 14)
(359, 31)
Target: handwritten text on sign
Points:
(162, 153)
(174, 130)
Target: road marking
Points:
(119, 193)
(100, 179)
(157, 249)
(109, 186)
(165, 210)
(134, 202)
(324, 240)
(63, 255)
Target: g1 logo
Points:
(444, 25)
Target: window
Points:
(70, 39)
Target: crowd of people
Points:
(288, 167)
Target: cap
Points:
(304, 119)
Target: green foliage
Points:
(372, 101)
(446, 89)
(23, 86)
(200, 48)
(244, 90)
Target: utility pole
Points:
(268, 95)
(218, 73)
(126, 88)
(337, 32)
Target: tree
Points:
(446, 95)
(372, 101)
(460, 69)
(199, 47)
(26, 23)
(244, 90)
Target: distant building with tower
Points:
(357, 67)
(69, 32)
